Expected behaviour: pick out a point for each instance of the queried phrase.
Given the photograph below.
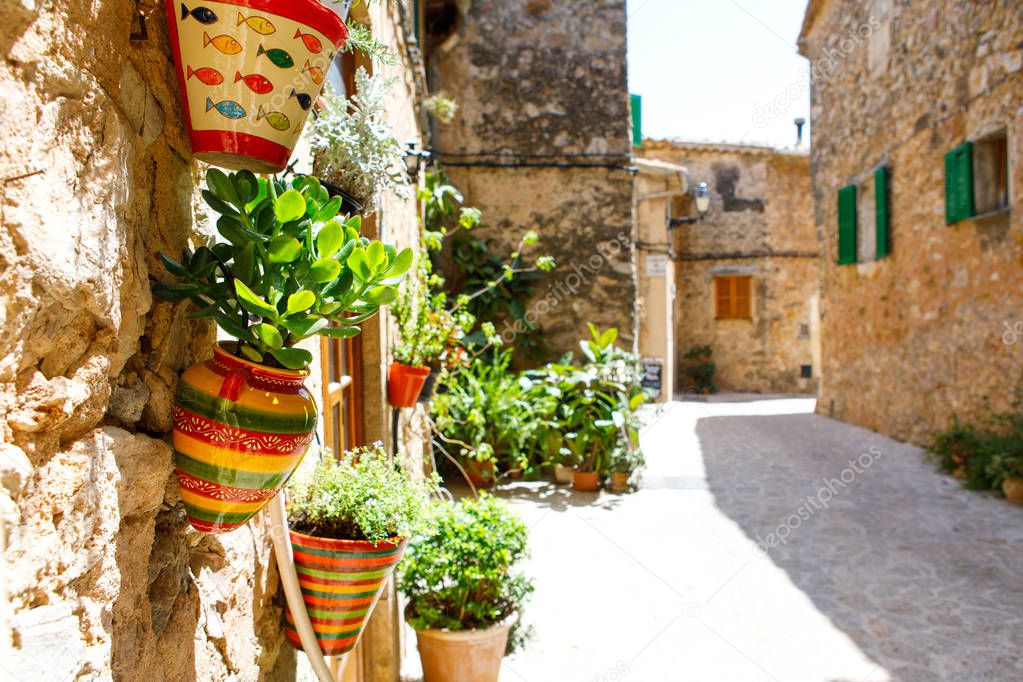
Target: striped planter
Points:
(240, 430)
(341, 581)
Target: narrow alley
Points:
(899, 573)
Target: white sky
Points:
(704, 68)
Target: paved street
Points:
(876, 569)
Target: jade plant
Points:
(464, 572)
(290, 267)
(363, 495)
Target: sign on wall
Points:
(653, 373)
(655, 265)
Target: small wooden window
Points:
(732, 297)
(340, 366)
(991, 173)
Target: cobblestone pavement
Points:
(768, 543)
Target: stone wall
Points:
(101, 575)
(760, 223)
(540, 143)
(930, 331)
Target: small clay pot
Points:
(480, 473)
(1013, 489)
(563, 474)
(464, 655)
(586, 481)
(405, 383)
(619, 481)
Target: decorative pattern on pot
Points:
(240, 430)
(404, 383)
(341, 581)
(249, 72)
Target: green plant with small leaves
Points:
(363, 495)
(290, 267)
(463, 573)
(442, 107)
(429, 334)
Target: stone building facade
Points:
(746, 277)
(101, 576)
(926, 327)
(542, 142)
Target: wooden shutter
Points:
(959, 183)
(847, 225)
(882, 232)
(637, 120)
(733, 298)
(741, 307)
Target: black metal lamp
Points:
(701, 197)
(414, 161)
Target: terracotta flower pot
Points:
(249, 73)
(619, 481)
(563, 474)
(404, 383)
(1013, 489)
(341, 582)
(586, 481)
(240, 429)
(464, 655)
(480, 473)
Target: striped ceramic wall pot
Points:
(249, 72)
(341, 581)
(240, 430)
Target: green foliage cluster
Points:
(982, 455)
(428, 332)
(290, 267)
(563, 413)
(463, 572)
(698, 369)
(594, 423)
(354, 147)
(364, 495)
(486, 413)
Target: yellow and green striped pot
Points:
(240, 430)
(341, 581)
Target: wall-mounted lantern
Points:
(701, 197)
(414, 161)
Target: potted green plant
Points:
(624, 461)
(355, 152)
(428, 337)
(349, 520)
(288, 268)
(1006, 470)
(465, 589)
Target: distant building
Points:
(917, 111)
(745, 278)
(541, 141)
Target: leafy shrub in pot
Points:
(349, 520)
(287, 268)
(465, 589)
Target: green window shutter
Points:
(959, 183)
(847, 225)
(637, 120)
(884, 244)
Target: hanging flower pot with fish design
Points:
(249, 72)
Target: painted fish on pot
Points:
(276, 46)
(240, 430)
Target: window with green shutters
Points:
(637, 120)
(847, 225)
(881, 207)
(959, 183)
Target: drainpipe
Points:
(293, 592)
